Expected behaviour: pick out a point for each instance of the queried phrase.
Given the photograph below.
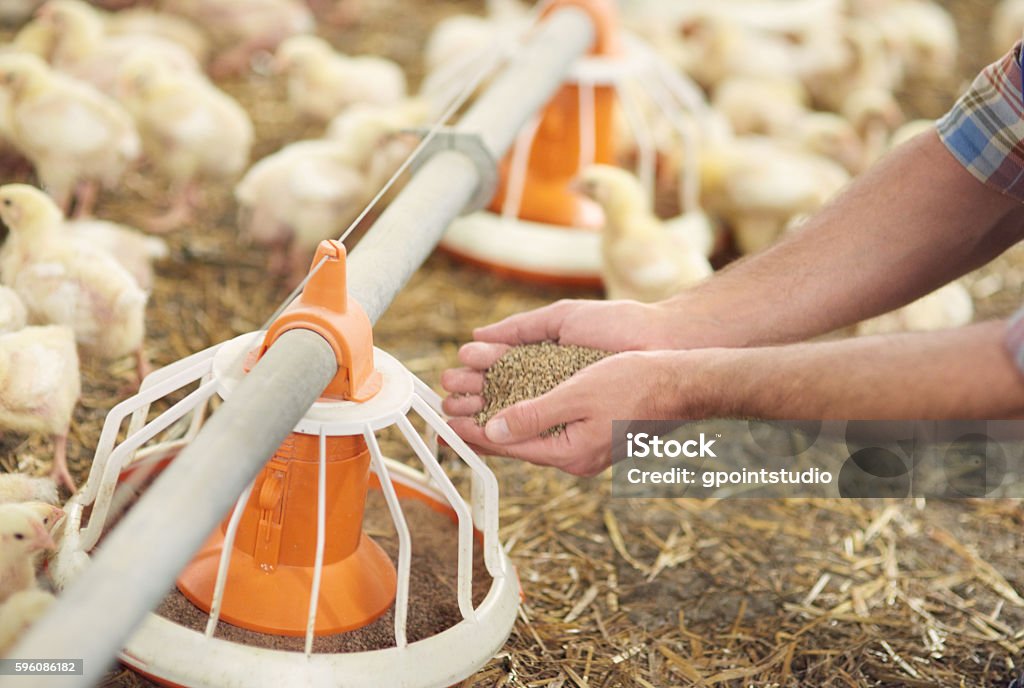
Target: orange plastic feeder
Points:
(556, 156)
(270, 574)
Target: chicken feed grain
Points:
(528, 371)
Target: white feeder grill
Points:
(574, 254)
(170, 652)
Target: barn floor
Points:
(634, 593)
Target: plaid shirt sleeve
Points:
(985, 131)
(985, 128)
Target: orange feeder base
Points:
(346, 589)
(270, 575)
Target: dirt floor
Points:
(633, 593)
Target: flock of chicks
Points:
(29, 523)
(89, 96)
(802, 98)
(801, 95)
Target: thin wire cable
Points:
(468, 90)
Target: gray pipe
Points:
(138, 562)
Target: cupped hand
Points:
(609, 325)
(631, 385)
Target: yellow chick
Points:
(39, 387)
(82, 48)
(640, 259)
(131, 248)
(18, 487)
(947, 307)
(13, 315)
(830, 135)
(19, 612)
(757, 185)
(140, 21)
(292, 200)
(22, 536)
(874, 114)
(922, 35)
(322, 82)
(64, 283)
(191, 131)
(76, 137)
(241, 28)
(760, 104)
(371, 134)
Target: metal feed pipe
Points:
(137, 564)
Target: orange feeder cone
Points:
(272, 560)
(555, 156)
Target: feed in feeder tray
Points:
(290, 589)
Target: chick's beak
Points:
(56, 516)
(42, 539)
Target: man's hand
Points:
(608, 325)
(648, 385)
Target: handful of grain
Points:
(528, 371)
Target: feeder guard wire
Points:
(133, 570)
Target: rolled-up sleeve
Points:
(985, 128)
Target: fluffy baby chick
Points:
(19, 612)
(22, 536)
(18, 487)
(69, 284)
(131, 248)
(874, 113)
(922, 34)
(241, 28)
(640, 259)
(372, 136)
(760, 105)
(50, 514)
(322, 82)
(76, 137)
(830, 135)
(13, 315)
(191, 131)
(290, 201)
(947, 307)
(40, 387)
(82, 48)
(756, 185)
(140, 21)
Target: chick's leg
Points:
(85, 198)
(142, 365)
(60, 473)
(180, 213)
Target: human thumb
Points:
(527, 419)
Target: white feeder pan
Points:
(174, 654)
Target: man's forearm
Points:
(912, 223)
(964, 373)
